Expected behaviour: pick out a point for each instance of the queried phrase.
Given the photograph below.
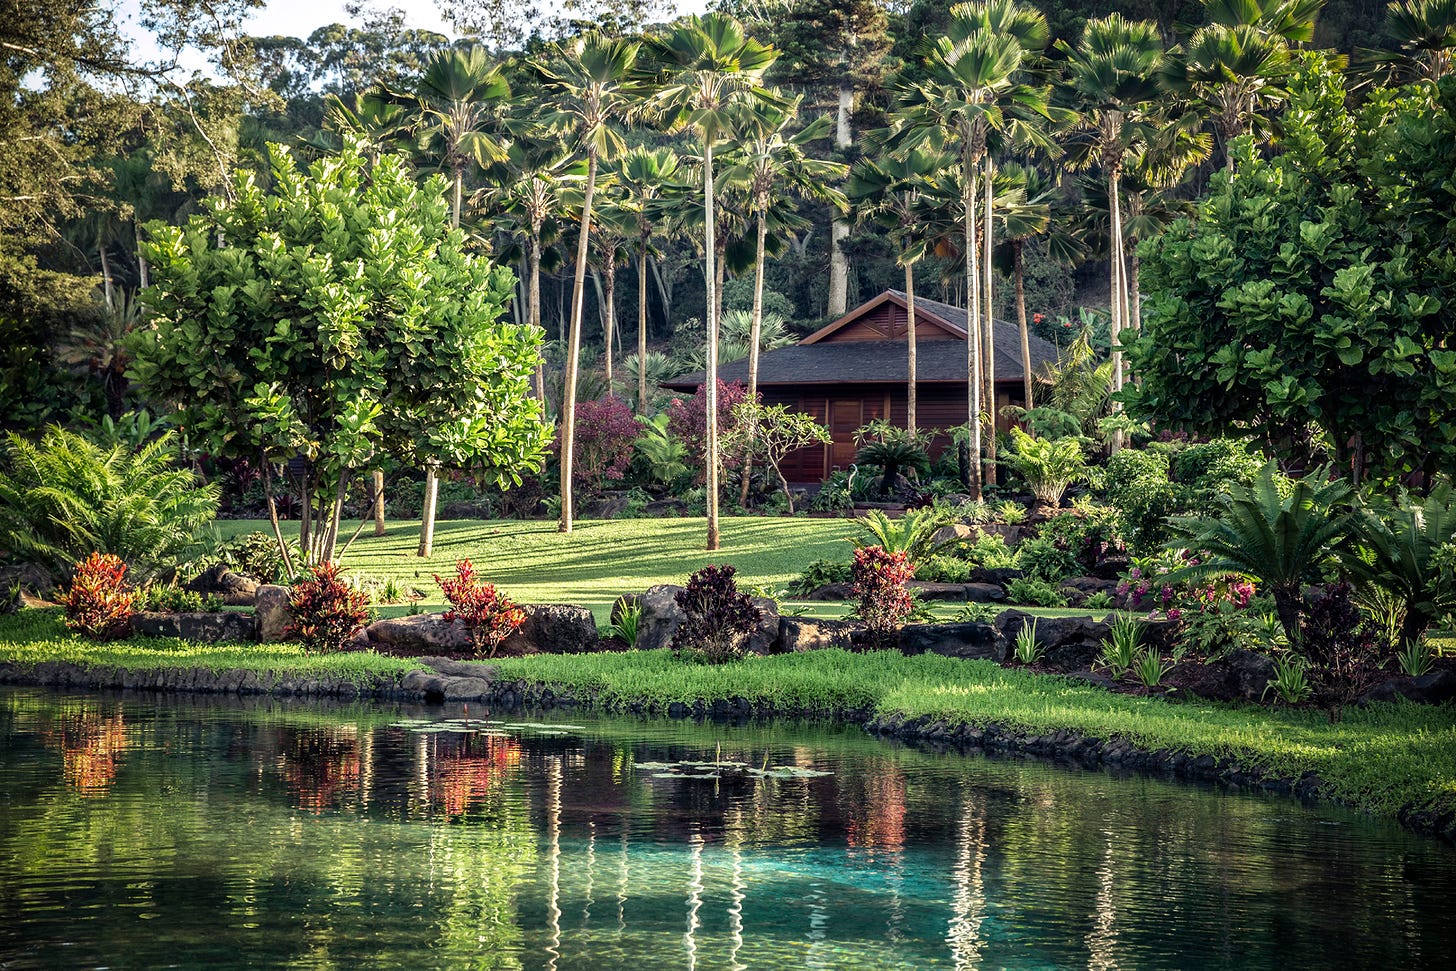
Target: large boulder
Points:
(1239, 675)
(1070, 643)
(205, 627)
(1077, 590)
(270, 605)
(419, 634)
(960, 532)
(999, 575)
(217, 580)
(1435, 688)
(33, 579)
(832, 592)
(938, 591)
(554, 629)
(968, 640)
(812, 634)
(661, 617)
(985, 593)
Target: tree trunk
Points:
(1118, 301)
(336, 514)
(305, 520)
(106, 282)
(427, 513)
(1020, 276)
(642, 329)
(288, 568)
(711, 390)
(455, 202)
(910, 396)
(377, 483)
(988, 347)
(573, 349)
(839, 229)
(973, 327)
(609, 322)
(534, 294)
(144, 269)
(1134, 295)
(755, 333)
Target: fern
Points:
(64, 497)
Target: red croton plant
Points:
(99, 605)
(489, 615)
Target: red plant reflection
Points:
(466, 776)
(90, 744)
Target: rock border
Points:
(444, 680)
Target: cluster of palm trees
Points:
(982, 130)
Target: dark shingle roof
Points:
(883, 362)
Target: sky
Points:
(302, 17)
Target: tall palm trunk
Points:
(534, 311)
(642, 329)
(573, 348)
(973, 327)
(432, 470)
(1119, 283)
(755, 333)
(910, 422)
(711, 391)
(609, 322)
(376, 481)
(839, 228)
(1019, 273)
(988, 348)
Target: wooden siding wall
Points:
(844, 409)
(887, 322)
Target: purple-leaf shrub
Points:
(717, 619)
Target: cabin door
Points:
(846, 416)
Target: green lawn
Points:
(601, 560)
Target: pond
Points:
(142, 833)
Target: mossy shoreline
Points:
(1391, 760)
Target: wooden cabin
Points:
(855, 370)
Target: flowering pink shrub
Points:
(879, 584)
(605, 431)
(687, 419)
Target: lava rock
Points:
(985, 593)
(217, 580)
(203, 627)
(1434, 688)
(832, 592)
(938, 591)
(420, 634)
(968, 640)
(1071, 643)
(1078, 589)
(805, 634)
(554, 629)
(32, 578)
(1000, 575)
(270, 605)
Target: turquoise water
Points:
(137, 833)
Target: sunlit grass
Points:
(1379, 758)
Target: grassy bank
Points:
(1378, 758)
(34, 636)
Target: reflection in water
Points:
(331, 838)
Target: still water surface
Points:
(137, 833)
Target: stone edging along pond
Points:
(445, 680)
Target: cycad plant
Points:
(65, 497)
(912, 534)
(1409, 552)
(1282, 537)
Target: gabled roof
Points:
(928, 313)
(817, 361)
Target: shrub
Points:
(158, 598)
(605, 435)
(487, 614)
(1042, 559)
(1137, 484)
(1049, 465)
(98, 605)
(912, 534)
(989, 553)
(687, 419)
(257, 555)
(1030, 592)
(944, 569)
(1204, 470)
(717, 619)
(65, 497)
(821, 573)
(326, 610)
(879, 584)
(1340, 646)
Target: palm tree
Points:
(100, 345)
(968, 92)
(708, 69)
(1112, 77)
(1426, 33)
(590, 79)
(649, 179)
(1007, 18)
(614, 226)
(454, 115)
(889, 192)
